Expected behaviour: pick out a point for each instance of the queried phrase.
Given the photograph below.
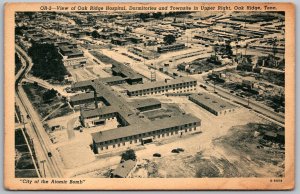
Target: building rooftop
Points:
(126, 71)
(98, 111)
(112, 79)
(159, 84)
(140, 128)
(82, 96)
(144, 102)
(213, 102)
(124, 168)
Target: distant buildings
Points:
(179, 85)
(213, 104)
(72, 56)
(124, 71)
(173, 47)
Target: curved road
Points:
(51, 165)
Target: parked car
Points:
(175, 151)
(157, 155)
(180, 149)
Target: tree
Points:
(169, 39)
(144, 16)
(157, 15)
(95, 34)
(228, 48)
(49, 94)
(128, 155)
(47, 62)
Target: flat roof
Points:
(172, 45)
(150, 85)
(124, 168)
(98, 111)
(112, 79)
(143, 127)
(211, 101)
(82, 96)
(144, 102)
(87, 83)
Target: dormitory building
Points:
(134, 127)
(179, 85)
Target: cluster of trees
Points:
(128, 155)
(47, 62)
(95, 34)
(169, 39)
(49, 95)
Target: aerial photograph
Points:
(132, 94)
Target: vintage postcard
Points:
(149, 96)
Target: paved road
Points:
(36, 125)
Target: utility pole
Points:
(23, 120)
(248, 101)
(214, 85)
(43, 163)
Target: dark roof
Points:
(126, 71)
(124, 168)
(144, 127)
(211, 101)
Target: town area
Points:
(149, 95)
